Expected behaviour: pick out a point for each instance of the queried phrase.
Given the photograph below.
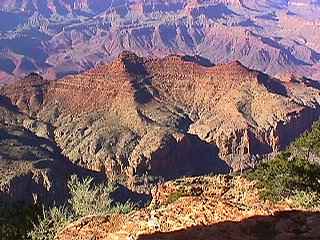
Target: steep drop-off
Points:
(140, 117)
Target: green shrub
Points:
(293, 176)
(123, 208)
(306, 200)
(89, 199)
(308, 144)
(284, 176)
(50, 222)
(174, 197)
(86, 198)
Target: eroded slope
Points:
(140, 117)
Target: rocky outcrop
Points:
(165, 118)
(200, 208)
(32, 168)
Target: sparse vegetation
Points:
(86, 198)
(36, 223)
(89, 199)
(294, 175)
(49, 222)
(174, 197)
(308, 144)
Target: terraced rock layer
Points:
(147, 118)
(59, 38)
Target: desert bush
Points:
(123, 208)
(86, 198)
(50, 222)
(89, 199)
(305, 200)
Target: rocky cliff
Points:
(140, 117)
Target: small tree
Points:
(292, 175)
(308, 143)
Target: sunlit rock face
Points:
(238, 211)
(138, 117)
(59, 38)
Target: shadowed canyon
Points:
(59, 38)
(159, 119)
(147, 118)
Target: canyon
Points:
(66, 37)
(145, 120)
(176, 102)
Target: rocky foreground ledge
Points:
(202, 208)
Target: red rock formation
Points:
(218, 208)
(220, 30)
(148, 103)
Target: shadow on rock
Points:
(123, 194)
(283, 225)
(7, 104)
(204, 62)
(272, 85)
(311, 83)
(189, 156)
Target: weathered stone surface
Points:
(163, 117)
(213, 208)
(273, 36)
